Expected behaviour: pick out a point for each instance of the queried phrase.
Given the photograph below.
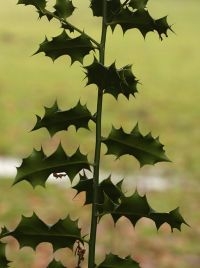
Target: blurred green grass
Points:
(151, 248)
(167, 103)
(168, 99)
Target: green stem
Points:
(64, 22)
(94, 219)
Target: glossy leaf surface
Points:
(37, 167)
(136, 207)
(131, 15)
(106, 188)
(142, 20)
(31, 231)
(112, 80)
(64, 8)
(77, 48)
(146, 149)
(56, 120)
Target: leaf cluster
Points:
(146, 149)
(129, 15)
(113, 201)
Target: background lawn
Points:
(168, 99)
(167, 104)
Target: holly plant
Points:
(103, 196)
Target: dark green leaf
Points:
(96, 73)
(37, 167)
(39, 4)
(112, 80)
(3, 260)
(77, 48)
(64, 8)
(146, 149)
(138, 4)
(107, 205)
(113, 6)
(31, 231)
(173, 218)
(56, 120)
(87, 187)
(43, 13)
(106, 188)
(113, 261)
(136, 207)
(112, 191)
(55, 264)
(162, 26)
(139, 19)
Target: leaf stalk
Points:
(64, 22)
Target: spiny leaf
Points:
(112, 191)
(136, 207)
(45, 13)
(162, 26)
(113, 6)
(146, 149)
(141, 20)
(77, 48)
(55, 264)
(37, 167)
(56, 120)
(138, 4)
(3, 260)
(112, 80)
(106, 188)
(39, 4)
(173, 218)
(64, 8)
(87, 187)
(121, 14)
(31, 231)
(107, 205)
(113, 261)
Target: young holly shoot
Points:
(103, 197)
